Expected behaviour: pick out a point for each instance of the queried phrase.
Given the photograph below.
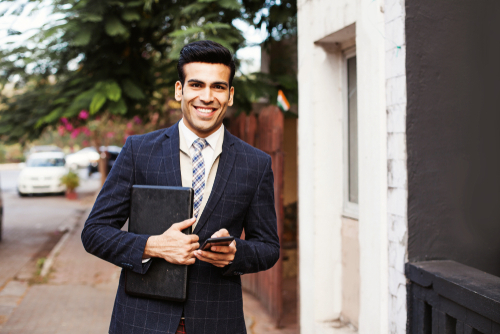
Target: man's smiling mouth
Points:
(205, 110)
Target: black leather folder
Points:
(153, 210)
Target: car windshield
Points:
(45, 162)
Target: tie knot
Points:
(199, 144)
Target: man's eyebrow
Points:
(195, 81)
(213, 83)
(220, 83)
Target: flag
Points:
(282, 101)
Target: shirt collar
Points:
(190, 136)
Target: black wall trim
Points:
(449, 297)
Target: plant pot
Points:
(71, 195)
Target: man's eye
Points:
(195, 85)
(219, 87)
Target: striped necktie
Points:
(198, 174)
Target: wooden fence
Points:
(266, 133)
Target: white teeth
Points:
(203, 110)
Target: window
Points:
(350, 135)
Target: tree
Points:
(125, 55)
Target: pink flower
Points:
(69, 127)
(85, 143)
(64, 120)
(75, 133)
(110, 134)
(84, 114)
(129, 125)
(86, 131)
(61, 130)
(137, 120)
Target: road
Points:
(32, 225)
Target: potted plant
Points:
(71, 181)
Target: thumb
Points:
(184, 224)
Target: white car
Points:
(42, 174)
(83, 158)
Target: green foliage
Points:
(279, 17)
(70, 180)
(119, 57)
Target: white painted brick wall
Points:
(397, 192)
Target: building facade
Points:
(397, 146)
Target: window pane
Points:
(353, 129)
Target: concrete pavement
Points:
(78, 295)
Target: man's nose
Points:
(206, 95)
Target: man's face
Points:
(205, 96)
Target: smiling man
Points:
(233, 187)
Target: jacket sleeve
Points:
(261, 248)
(102, 235)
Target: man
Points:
(233, 184)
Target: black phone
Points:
(222, 241)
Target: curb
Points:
(49, 261)
(47, 264)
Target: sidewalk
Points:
(78, 297)
(79, 294)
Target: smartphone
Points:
(222, 241)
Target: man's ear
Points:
(178, 91)
(231, 96)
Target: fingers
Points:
(221, 233)
(187, 261)
(223, 249)
(217, 263)
(183, 224)
(215, 256)
(193, 238)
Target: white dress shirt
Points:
(208, 151)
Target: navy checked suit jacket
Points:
(242, 198)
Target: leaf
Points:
(134, 4)
(90, 17)
(130, 15)
(54, 114)
(132, 90)
(5, 128)
(82, 38)
(118, 108)
(113, 91)
(228, 4)
(97, 102)
(114, 27)
(60, 100)
(193, 8)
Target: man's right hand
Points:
(173, 245)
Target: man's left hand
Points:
(219, 256)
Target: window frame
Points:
(350, 209)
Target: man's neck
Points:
(197, 133)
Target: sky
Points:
(29, 21)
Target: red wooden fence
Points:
(267, 135)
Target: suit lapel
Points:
(171, 156)
(226, 164)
